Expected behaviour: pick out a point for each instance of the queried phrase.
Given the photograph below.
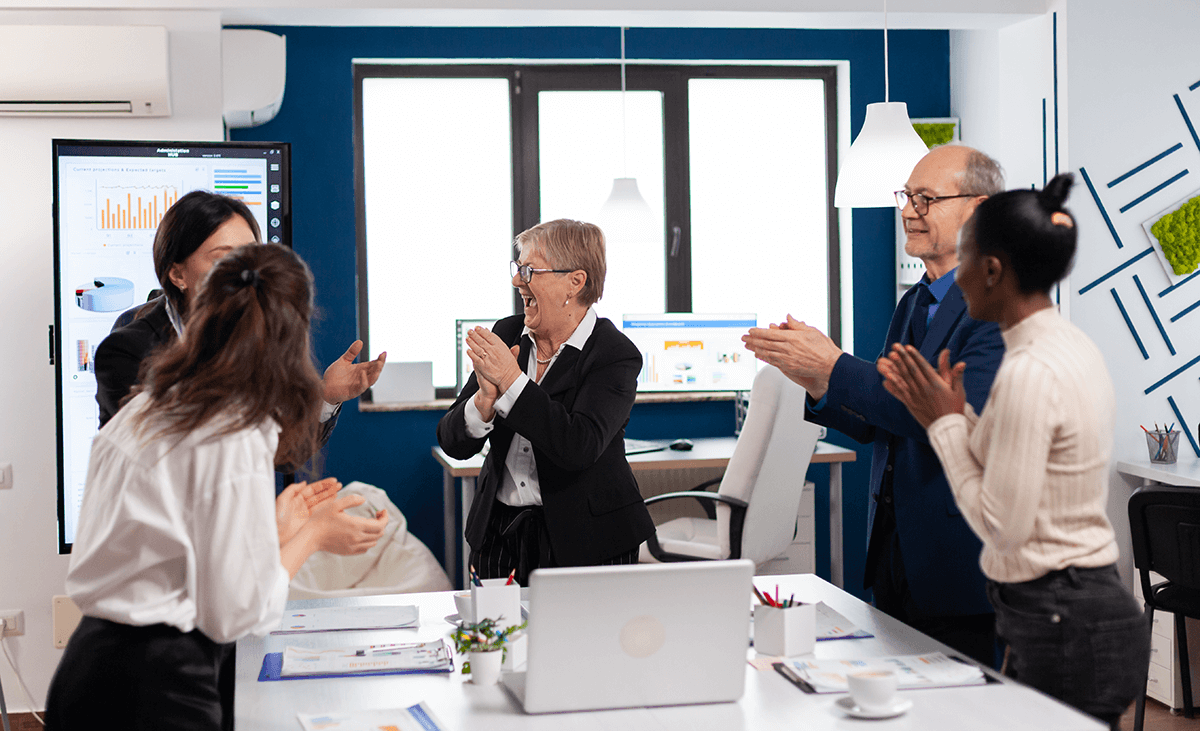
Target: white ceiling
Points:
(635, 13)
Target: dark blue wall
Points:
(392, 450)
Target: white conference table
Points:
(706, 452)
(769, 701)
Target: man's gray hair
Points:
(981, 176)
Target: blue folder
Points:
(273, 664)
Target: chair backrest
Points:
(1164, 523)
(768, 466)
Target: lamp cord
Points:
(624, 131)
(886, 90)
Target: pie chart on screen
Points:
(105, 294)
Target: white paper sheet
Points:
(335, 619)
(413, 718)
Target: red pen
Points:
(511, 575)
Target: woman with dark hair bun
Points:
(177, 553)
(1030, 472)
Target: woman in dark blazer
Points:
(552, 391)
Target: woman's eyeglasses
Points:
(527, 271)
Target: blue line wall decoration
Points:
(1187, 120)
(1152, 191)
(1150, 306)
(1183, 425)
(1120, 268)
(1177, 285)
(1096, 197)
(1148, 163)
(1129, 323)
(1187, 309)
(1174, 373)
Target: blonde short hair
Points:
(573, 245)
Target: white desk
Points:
(769, 702)
(707, 452)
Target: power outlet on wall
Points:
(14, 622)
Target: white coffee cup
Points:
(872, 690)
(462, 602)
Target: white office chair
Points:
(753, 513)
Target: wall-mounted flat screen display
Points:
(693, 351)
(109, 197)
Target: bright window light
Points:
(438, 183)
(758, 198)
(581, 152)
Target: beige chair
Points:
(399, 563)
(753, 512)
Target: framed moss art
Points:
(1175, 235)
(936, 131)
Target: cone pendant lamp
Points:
(625, 216)
(880, 160)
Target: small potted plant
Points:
(484, 645)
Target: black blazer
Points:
(575, 420)
(120, 355)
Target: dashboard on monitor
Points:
(109, 197)
(693, 351)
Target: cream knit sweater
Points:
(1030, 473)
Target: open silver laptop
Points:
(630, 636)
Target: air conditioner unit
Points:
(84, 71)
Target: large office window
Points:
(736, 164)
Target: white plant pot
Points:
(485, 667)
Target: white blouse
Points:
(180, 530)
(1030, 473)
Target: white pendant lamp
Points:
(881, 159)
(626, 217)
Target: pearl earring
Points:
(991, 282)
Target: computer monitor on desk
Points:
(685, 351)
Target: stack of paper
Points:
(831, 625)
(333, 619)
(933, 670)
(417, 657)
(413, 718)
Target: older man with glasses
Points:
(922, 559)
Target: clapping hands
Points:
(928, 394)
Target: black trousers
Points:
(974, 635)
(1078, 635)
(517, 540)
(142, 678)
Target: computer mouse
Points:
(682, 444)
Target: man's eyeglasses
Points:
(920, 201)
(527, 271)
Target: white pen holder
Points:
(785, 632)
(501, 601)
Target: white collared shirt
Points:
(519, 484)
(180, 530)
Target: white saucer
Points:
(899, 705)
(453, 619)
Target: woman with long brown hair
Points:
(178, 551)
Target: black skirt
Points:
(151, 677)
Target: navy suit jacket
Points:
(575, 420)
(939, 550)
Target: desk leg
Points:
(468, 496)
(450, 555)
(836, 569)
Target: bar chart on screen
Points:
(133, 207)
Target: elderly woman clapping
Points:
(552, 392)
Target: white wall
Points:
(1127, 60)
(31, 571)
(998, 79)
